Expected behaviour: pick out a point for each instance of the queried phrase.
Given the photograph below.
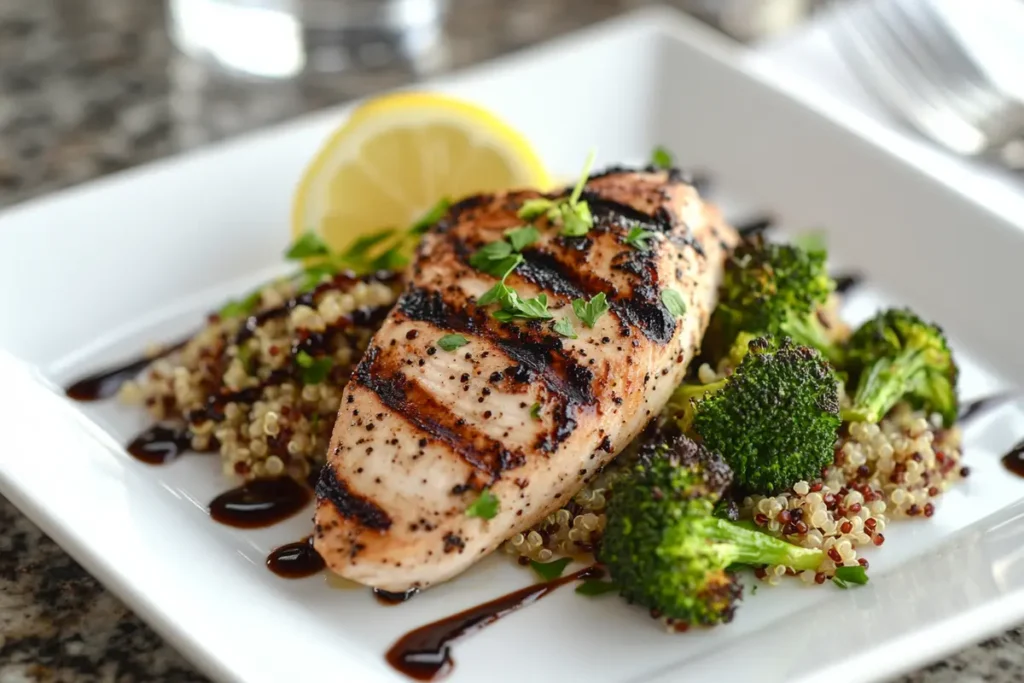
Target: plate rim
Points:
(987, 618)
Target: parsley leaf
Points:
(436, 213)
(307, 246)
(563, 326)
(512, 306)
(535, 411)
(813, 241)
(590, 311)
(450, 342)
(573, 215)
(594, 587)
(494, 251)
(496, 259)
(537, 307)
(314, 275)
(584, 177)
(392, 259)
(520, 238)
(550, 571)
(359, 249)
(640, 239)
(484, 507)
(576, 219)
(235, 309)
(674, 302)
(314, 370)
(535, 208)
(661, 158)
(844, 575)
(496, 293)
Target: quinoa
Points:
(882, 472)
(239, 387)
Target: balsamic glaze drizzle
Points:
(1013, 461)
(980, 406)
(425, 653)
(260, 503)
(160, 444)
(296, 560)
(388, 598)
(106, 383)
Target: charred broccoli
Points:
(775, 419)
(666, 550)
(895, 356)
(774, 289)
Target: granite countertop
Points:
(90, 87)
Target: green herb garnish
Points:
(594, 587)
(496, 293)
(661, 158)
(550, 571)
(307, 246)
(314, 275)
(640, 239)
(494, 251)
(436, 213)
(522, 237)
(484, 507)
(572, 214)
(590, 311)
(535, 411)
(674, 302)
(848, 575)
(496, 259)
(563, 326)
(358, 250)
(812, 241)
(513, 306)
(314, 370)
(240, 307)
(450, 342)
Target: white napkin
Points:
(807, 65)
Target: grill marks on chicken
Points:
(421, 431)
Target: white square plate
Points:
(90, 276)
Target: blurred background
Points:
(91, 87)
(88, 87)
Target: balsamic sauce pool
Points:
(425, 653)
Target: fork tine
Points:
(948, 60)
(963, 91)
(996, 113)
(884, 66)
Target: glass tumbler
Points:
(284, 39)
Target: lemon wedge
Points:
(398, 155)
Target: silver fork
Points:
(903, 52)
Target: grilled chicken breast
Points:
(519, 410)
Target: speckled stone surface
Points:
(89, 87)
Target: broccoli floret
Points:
(775, 419)
(774, 289)
(898, 356)
(665, 548)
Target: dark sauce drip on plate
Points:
(388, 598)
(260, 503)
(296, 560)
(425, 653)
(160, 444)
(981, 405)
(847, 281)
(106, 383)
(755, 226)
(1014, 460)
